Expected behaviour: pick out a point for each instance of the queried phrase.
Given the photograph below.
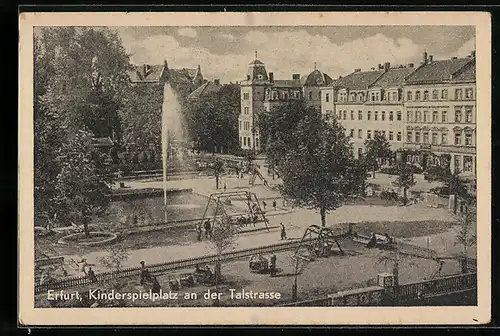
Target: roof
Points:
(393, 77)
(155, 72)
(358, 80)
(256, 62)
(466, 74)
(316, 78)
(205, 89)
(286, 83)
(438, 71)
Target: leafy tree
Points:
(377, 149)
(405, 179)
(83, 182)
(454, 183)
(212, 120)
(115, 256)
(318, 170)
(224, 234)
(466, 236)
(217, 170)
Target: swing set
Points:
(317, 242)
(218, 202)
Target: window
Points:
(360, 115)
(327, 97)
(468, 163)
(239, 126)
(409, 95)
(426, 116)
(373, 96)
(247, 110)
(360, 134)
(241, 141)
(383, 115)
(468, 115)
(376, 115)
(435, 116)
(434, 94)
(426, 137)
(468, 93)
(394, 96)
(458, 115)
(399, 115)
(391, 116)
(345, 115)
(285, 96)
(369, 115)
(417, 95)
(310, 95)
(360, 152)
(434, 138)
(457, 162)
(297, 95)
(426, 95)
(417, 137)
(246, 96)
(444, 94)
(339, 114)
(444, 116)
(444, 138)
(458, 94)
(468, 139)
(409, 116)
(351, 134)
(418, 117)
(399, 136)
(368, 134)
(377, 94)
(391, 135)
(458, 139)
(383, 134)
(409, 137)
(244, 141)
(352, 115)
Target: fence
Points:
(370, 296)
(162, 267)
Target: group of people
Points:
(146, 277)
(207, 226)
(373, 242)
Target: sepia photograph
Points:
(255, 165)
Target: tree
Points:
(318, 170)
(405, 179)
(115, 257)
(377, 149)
(217, 170)
(466, 236)
(83, 183)
(453, 182)
(224, 233)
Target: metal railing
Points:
(438, 286)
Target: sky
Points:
(224, 52)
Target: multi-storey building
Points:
(369, 102)
(261, 92)
(440, 109)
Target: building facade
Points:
(429, 109)
(440, 109)
(260, 91)
(367, 103)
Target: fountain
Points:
(171, 128)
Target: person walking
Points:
(274, 205)
(264, 204)
(283, 232)
(91, 275)
(208, 228)
(225, 186)
(199, 231)
(272, 265)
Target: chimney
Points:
(357, 70)
(430, 58)
(454, 58)
(373, 68)
(387, 66)
(144, 70)
(380, 67)
(248, 77)
(411, 65)
(296, 76)
(271, 77)
(425, 57)
(217, 82)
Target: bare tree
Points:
(114, 260)
(466, 236)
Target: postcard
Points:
(278, 168)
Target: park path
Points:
(295, 221)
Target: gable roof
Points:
(438, 71)
(392, 78)
(360, 80)
(205, 89)
(466, 74)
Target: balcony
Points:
(442, 148)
